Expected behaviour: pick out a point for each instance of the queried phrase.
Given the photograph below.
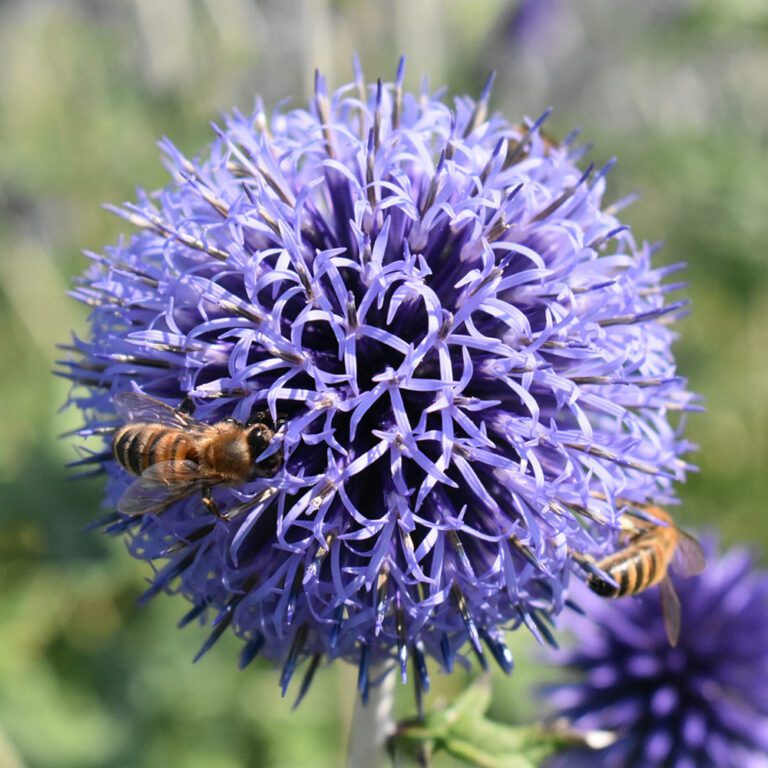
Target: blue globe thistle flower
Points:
(467, 354)
(702, 704)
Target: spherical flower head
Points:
(464, 355)
(701, 704)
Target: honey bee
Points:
(174, 455)
(521, 149)
(644, 561)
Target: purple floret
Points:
(469, 355)
(702, 704)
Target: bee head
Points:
(259, 437)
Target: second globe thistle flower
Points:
(702, 704)
(468, 354)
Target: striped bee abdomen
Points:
(138, 446)
(634, 569)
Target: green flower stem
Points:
(372, 724)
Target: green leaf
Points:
(463, 731)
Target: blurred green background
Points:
(678, 89)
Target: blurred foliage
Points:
(676, 89)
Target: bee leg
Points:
(258, 417)
(265, 417)
(211, 505)
(186, 406)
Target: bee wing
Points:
(141, 499)
(689, 559)
(137, 407)
(152, 492)
(670, 608)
